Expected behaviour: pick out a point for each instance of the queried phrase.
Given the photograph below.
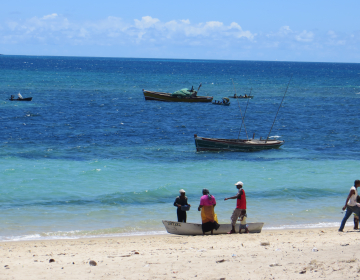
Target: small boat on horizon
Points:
(225, 102)
(20, 98)
(241, 96)
(195, 229)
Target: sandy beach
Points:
(280, 254)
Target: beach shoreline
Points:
(272, 254)
(74, 235)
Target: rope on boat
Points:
(240, 113)
(267, 138)
(244, 115)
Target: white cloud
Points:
(57, 27)
(285, 30)
(146, 22)
(147, 31)
(52, 16)
(305, 36)
(332, 34)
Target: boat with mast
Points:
(183, 95)
(240, 145)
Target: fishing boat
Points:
(195, 229)
(225, 102)
(20, 98)
(241, 96)
(233, 145)
(183, 95)
(240, 145)
(163, 96)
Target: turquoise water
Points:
(90, 157)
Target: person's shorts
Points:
(235, 215)
(243, 226)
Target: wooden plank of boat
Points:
(21, 99)
(195, 229)
(217, 144)
(163, 96)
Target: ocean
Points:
(88, 156)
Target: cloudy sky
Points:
(316, 30)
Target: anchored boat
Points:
(239, 145)
(225, 102)
(235, 145)
(241, 96)
(20, 98)
(183, 95)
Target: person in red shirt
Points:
(240, 204)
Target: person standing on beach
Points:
(181, 201)
(351, 205)
(242, 220)
(240, 204)
(208, 216)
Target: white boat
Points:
(195, 229)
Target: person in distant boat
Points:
(242, 220)
(245, 95)
(181, 200)
(194, 93)
(234, 95)
(351, 205)
(240, 205)
(208, 216)
(12, 97)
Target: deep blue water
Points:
(89, 156)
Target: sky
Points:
(276, 30)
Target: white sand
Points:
(292, 254)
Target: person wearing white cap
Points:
(240, 204)
(181, 200)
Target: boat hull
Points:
(223, 104)
(241, 97)
(195, 229)
(234, 145)
(24, 99)
(162, 96)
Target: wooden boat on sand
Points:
(195, 229)
(235, 145)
